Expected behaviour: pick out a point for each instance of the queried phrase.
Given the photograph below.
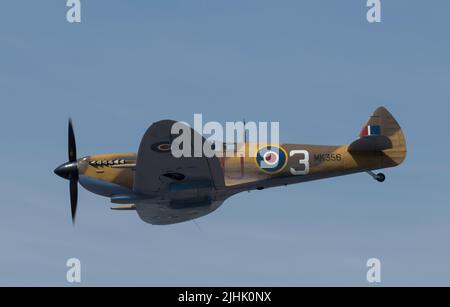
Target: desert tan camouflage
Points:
(166, 190)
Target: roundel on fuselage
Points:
(271, 159)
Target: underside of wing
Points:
(159, 172)
(158, 213)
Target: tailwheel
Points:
(380, 177)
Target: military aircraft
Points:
(165, 190)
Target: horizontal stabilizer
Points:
(370, 143)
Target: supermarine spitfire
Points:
(165, 189)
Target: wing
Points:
(156, 167)
(163, 215)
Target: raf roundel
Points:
(271, 159)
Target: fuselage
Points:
(113, 174)
(107, 174)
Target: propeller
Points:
(69, 171)
(72, 144)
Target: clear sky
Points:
(318, 67)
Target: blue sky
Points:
(318, 67)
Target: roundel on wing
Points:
(161, 147)
(271, 159)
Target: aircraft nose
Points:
(67, 170)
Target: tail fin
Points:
(382, 133)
